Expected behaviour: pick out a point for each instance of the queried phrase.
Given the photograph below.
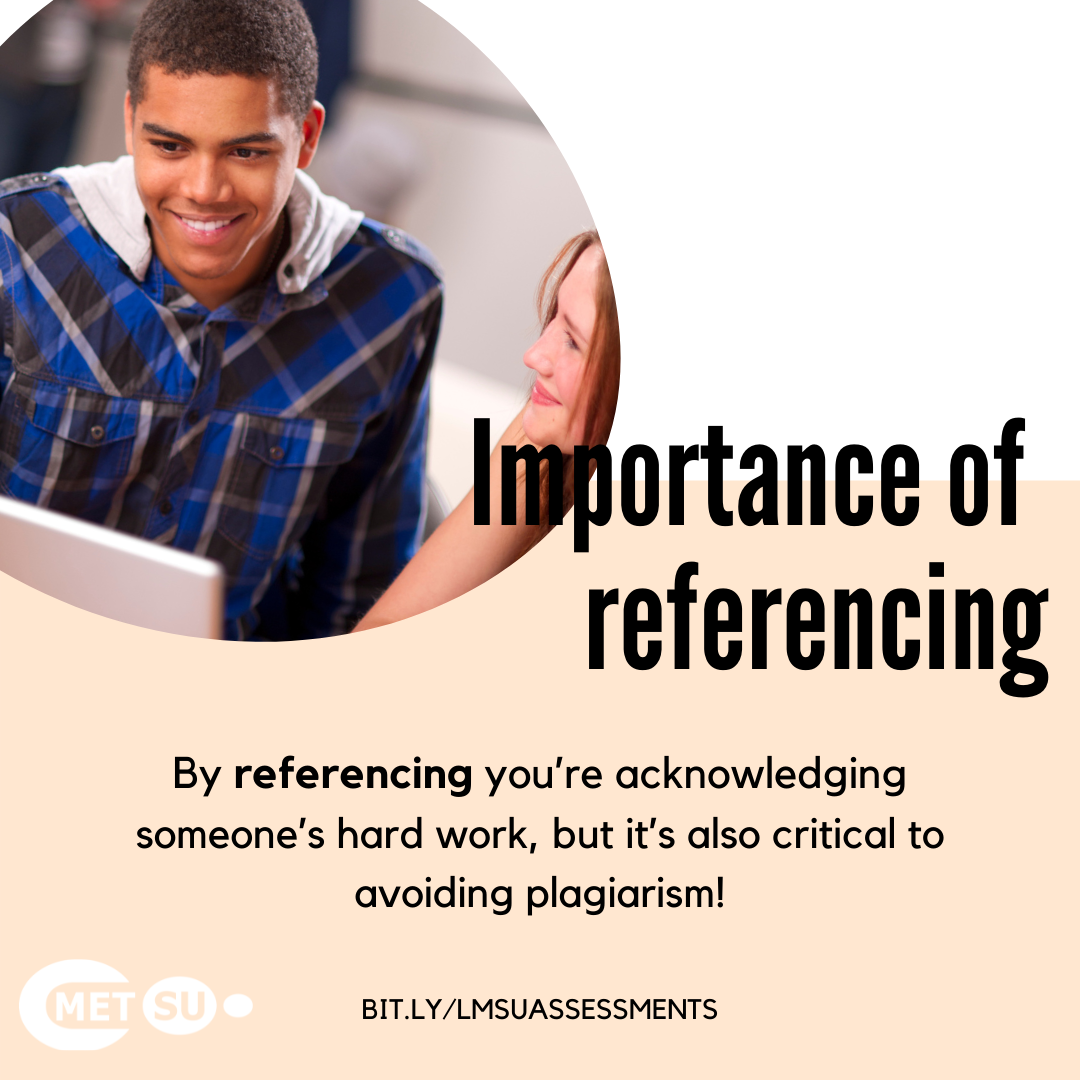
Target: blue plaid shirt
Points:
(280, 435)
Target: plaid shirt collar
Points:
(320, 226)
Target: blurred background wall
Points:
(425, 133)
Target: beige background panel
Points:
(826, 963)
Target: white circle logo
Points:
(179, 1005)
(238, 1005)
(92, 1005)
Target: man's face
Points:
(214, 162)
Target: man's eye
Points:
(168, 147)
(245, 153)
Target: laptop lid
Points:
(110, 573)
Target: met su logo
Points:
(87, 1005)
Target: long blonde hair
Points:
(599, 392)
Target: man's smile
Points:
(203, 231)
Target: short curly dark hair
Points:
(271, 38)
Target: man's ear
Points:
(129, 124)
(310, 132)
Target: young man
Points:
(202, 349)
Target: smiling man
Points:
(202, 349)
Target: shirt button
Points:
(97, 433)
(193, 417)
(276, 453)
(289, 271)
(398, 239)
(166, 507)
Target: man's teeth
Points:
(204, 226)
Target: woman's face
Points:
(558, 358)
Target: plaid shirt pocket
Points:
(280, 474)
(66, 448)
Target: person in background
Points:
(365, 160)
(43, 68)
(332, 24)
(572, 402)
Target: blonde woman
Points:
(576, 361)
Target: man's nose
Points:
(205, 181)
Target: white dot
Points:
(237, 1005)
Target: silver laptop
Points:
(110, 573)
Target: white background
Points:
(829, 222)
